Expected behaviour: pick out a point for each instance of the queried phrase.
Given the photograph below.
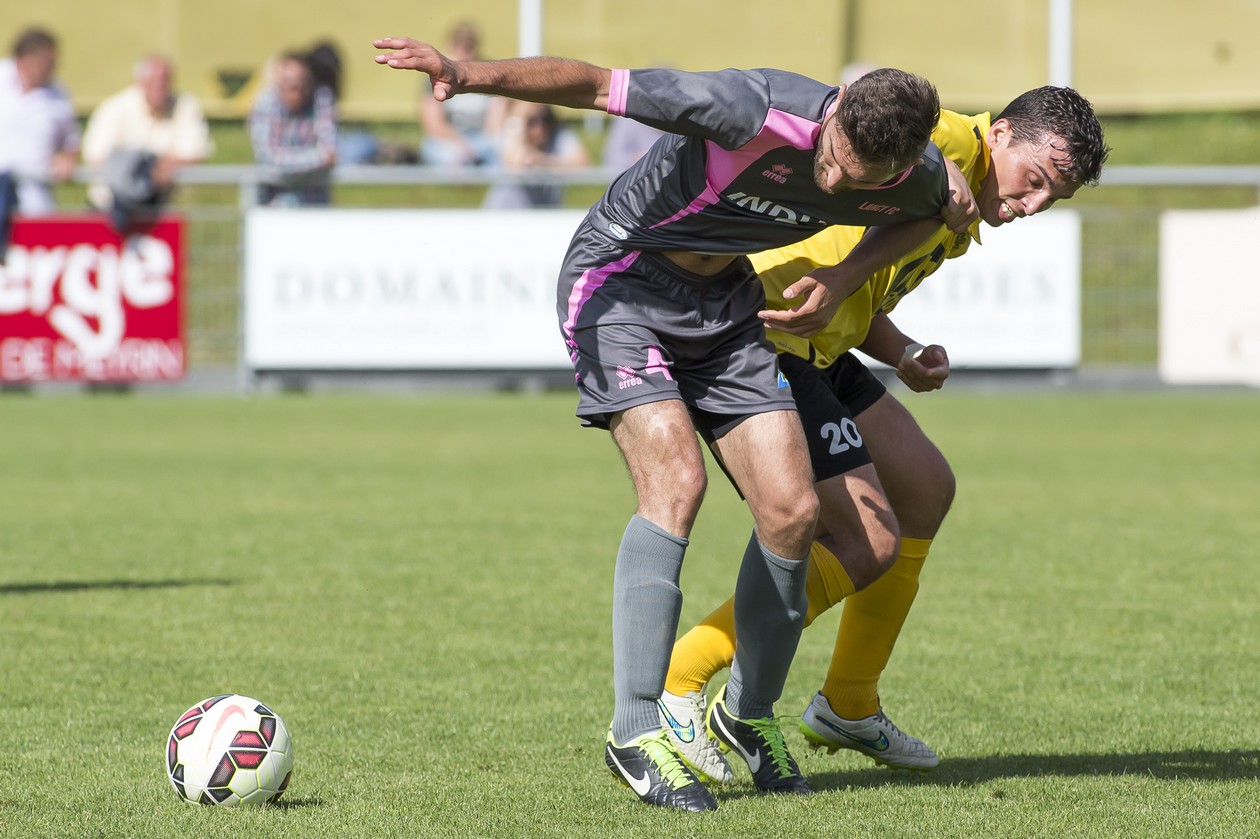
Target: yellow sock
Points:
(709, 647)
(827, 584)
(703, 652)
(869, 627)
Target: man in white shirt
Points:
(39, 138)
(138, 138)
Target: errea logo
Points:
(629, 377)
(778, 173)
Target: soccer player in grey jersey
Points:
(663, 318)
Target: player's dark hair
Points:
(888, 116)
(1046, 113)
(33, 40)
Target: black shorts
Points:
(640, 329)
(828, 400)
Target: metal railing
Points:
(248, 175)
(1120, 244)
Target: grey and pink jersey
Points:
(736, 172)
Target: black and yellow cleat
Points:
(760, 743)
(653, 768)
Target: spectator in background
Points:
(627, 141)
(855, 70)
(293, 129)
(534, 139)
(357, 146)
(463, 131)
(39, 138)
(138, 138)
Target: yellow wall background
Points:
(1130, 56)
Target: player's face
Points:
(836, 168)
(1023, 179)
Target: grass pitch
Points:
(420, 587)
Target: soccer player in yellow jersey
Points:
(884, 487)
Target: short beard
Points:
(820, 172)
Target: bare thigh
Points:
(658, 442)
(767, 457)
(857, 524)
(914, 473)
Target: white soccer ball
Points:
(228, 751)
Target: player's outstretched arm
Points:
(921, 368)
(823, 290)
(554, 81)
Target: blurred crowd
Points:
(135, 141)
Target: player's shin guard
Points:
(769, 615)
(646, 604)
(709, 647)
(869, 627)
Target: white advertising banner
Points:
(1013, 302)
(475, 289)
(404, 289)
(1209, 297)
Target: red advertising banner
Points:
(79, 303)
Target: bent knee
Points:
(939, 487)
(786, 523)
(674, 503)
(926, 500)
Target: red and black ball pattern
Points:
(246, 751)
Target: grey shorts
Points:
(640, 329)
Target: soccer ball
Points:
(228, 751)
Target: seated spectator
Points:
(533, 139)
(39, 138)
(462, 131)
(293, 129)
(138, 138)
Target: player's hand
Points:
(923, 368)
(815, 311)
(410, 54)
(821, 292)
(961, 211)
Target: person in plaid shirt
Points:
(293, 129)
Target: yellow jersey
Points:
(961, 139)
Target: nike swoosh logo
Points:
(753, 760)
(228, 713)
(879, 745)
(685, 734)
(639, 785)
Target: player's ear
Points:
(999, 132)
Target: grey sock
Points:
(770, 605)
(646, 605)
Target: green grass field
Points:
(420, 587)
